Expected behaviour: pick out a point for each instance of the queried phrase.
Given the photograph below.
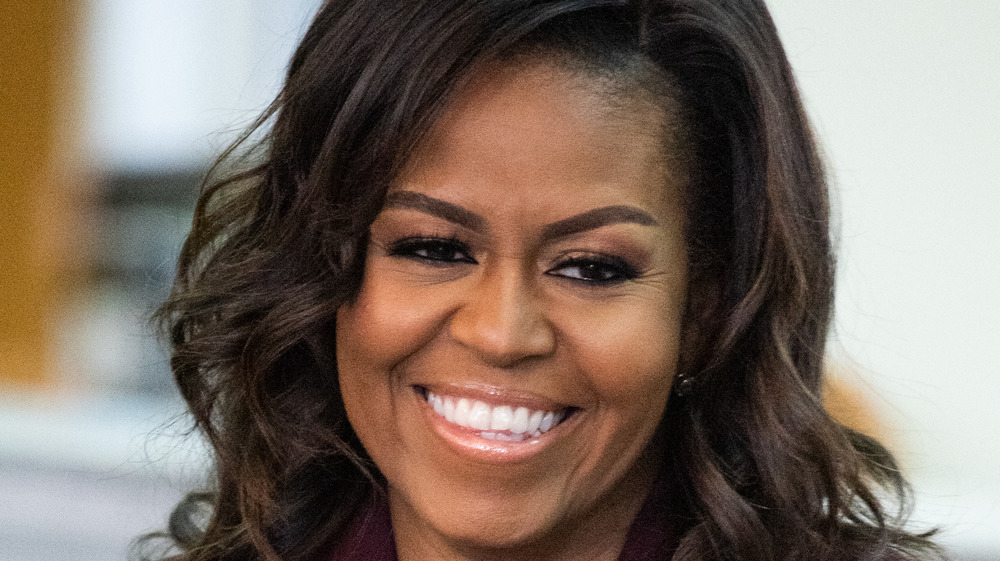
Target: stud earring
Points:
(683, 385)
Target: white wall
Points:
(905, 97)
(172, 81)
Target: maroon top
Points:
(652, 536)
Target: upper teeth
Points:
(480, 416)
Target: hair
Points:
(278, 244)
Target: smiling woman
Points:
(512, 346)
(524, 280)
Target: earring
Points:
(683, 385)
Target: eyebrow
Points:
(436, 207)
(597, 218)
(589, 220)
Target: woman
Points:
(524, 280)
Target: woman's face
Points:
(517, 330)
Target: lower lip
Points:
(469, 444)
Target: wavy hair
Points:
(277, 245)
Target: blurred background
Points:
(111, 111)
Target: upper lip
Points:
(495, 395)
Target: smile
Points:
(499, 421)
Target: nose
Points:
(501, 318)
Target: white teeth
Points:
(437, 402)
(502, 422)
(534, 421)
(479, 417)
(449, 409)
(547, 421)
(503, 418)
(462, 412)
(510, 437)
(519, 424)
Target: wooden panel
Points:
(38, 195)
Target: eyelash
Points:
(614, 270)
(410, 248)
(442, 252)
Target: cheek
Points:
(629, 355)
(626, 354)
(373, 335)
(386, 323)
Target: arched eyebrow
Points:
(589, 220)
(597, 218)
(436, 207)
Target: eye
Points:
(595, 270)
(437, 251)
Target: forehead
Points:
(552, 131)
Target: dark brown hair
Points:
(277, 246)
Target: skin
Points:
(507, 288)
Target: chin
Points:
(485, 520)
